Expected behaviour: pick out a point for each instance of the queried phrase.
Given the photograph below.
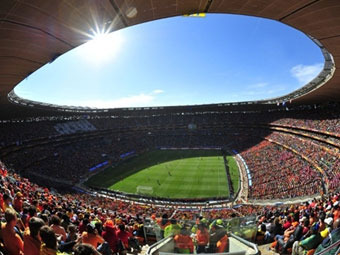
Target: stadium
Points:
(235, 178)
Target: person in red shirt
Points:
(183, 242)
(305, 226)
(223, 244)
(288, 223)
(12, 241)
(202, 237)
(123, 236)
(109, 235)
(91, 236)
(32, 241)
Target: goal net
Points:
(144, 190)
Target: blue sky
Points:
(180, 61)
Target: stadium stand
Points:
(310, 149)
(79, 211)
(287, 157)
(302, 139)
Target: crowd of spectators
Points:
(38, 221)
(319, 153)
(18, 131)
(45, 152)
(319, 121)
(305, 228)
(30, 212)
(278, 173)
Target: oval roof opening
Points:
(213, 58)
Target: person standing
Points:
(109, 235)
(202, 237)
(173, 229)
(183, 241)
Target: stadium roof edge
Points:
(24, 25)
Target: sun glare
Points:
(102, 48)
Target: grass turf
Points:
(172, 174)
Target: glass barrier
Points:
(200, 234)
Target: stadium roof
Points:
(36, 32)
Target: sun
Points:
(102, 48)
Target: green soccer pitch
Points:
(172, 174)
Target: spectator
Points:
(202, 237)
(123, 236)
(7, 202)
(91, 236)
(172, 229)
(183, 241)
(58, 230)
(109, 235)
(32, 241)
(71, 233)
(12, 241)
(49, 241)
(333, 238)
(309, 243)
(17, 203)
(85, 249)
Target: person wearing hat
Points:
(217, 240)
(109, 235)
(333, 238)
(216, 222)
(328, 229)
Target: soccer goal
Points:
(144, 190)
